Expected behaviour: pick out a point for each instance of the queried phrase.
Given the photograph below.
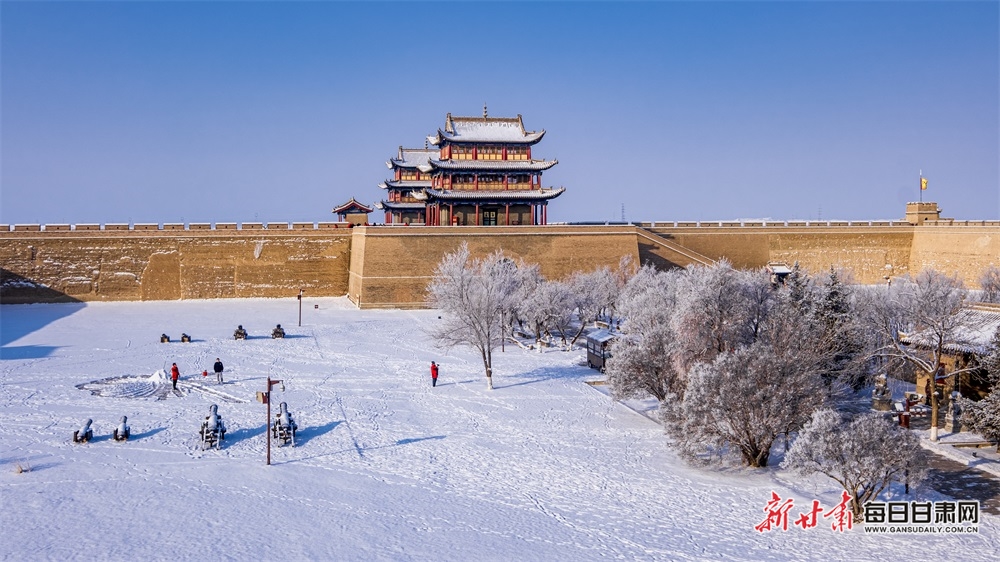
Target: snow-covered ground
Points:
(544, 467)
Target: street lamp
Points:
(300, 306)
(265, 397)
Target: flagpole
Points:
(920, 185)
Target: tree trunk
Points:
(934, 405)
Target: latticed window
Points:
(489, 152)
(460, 152)
(517, 153)
(409, 175)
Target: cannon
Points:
(185, 338)
(123, 431)
(164, 338)
(278, 332)
(213, 430)
(84, 434)
(240, 333)
(284, 427)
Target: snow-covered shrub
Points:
(863, 455)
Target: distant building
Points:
(353, 212)
(481, 172)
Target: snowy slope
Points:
(542, 468)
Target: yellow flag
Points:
(923, 184)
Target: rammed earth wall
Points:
(103, 265)
(386, 267)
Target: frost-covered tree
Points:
(983, 417)
(710, 315)
(841, 337)
(548, 307)
(864, 455)
(473, 295)
(926, 309)
(989, 282)
(743, 400)
(800, 288)
(592, 293)
(641, 360)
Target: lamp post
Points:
(265, 397)
(300, 306)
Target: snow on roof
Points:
(487, 165)
(412, 157)
(779, 268)
(978, 323)
(485, 129)
(490, 195)
(600, 336)
(352, 206)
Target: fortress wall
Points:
(96, 265)
(391, 266)
(398, 262)
(966, 250)
(870, 252)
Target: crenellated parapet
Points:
(171, 227)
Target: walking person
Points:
(175, 373)
(434, 374)
(218, 369)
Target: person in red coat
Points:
(174, 374)
(434, 374)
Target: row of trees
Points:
(735, 360)
(483, 299)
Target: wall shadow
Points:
(27, 351)
(28, 307)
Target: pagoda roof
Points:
(405, 184)
(491, 195)
(509, 130)
(352, 206)
(398, 206)
(498, 165)
(412, 157)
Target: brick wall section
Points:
(392, 265)
(166, 265)
(965, 250)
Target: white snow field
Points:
(385, 467)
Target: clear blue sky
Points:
(237, 111)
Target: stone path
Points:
(962, 482)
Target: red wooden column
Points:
(507, 214)
(387, 221)
(451, 213)
(477, 214)
(545, 214)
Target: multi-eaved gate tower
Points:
(480, 172)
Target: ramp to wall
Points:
(663, 253)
